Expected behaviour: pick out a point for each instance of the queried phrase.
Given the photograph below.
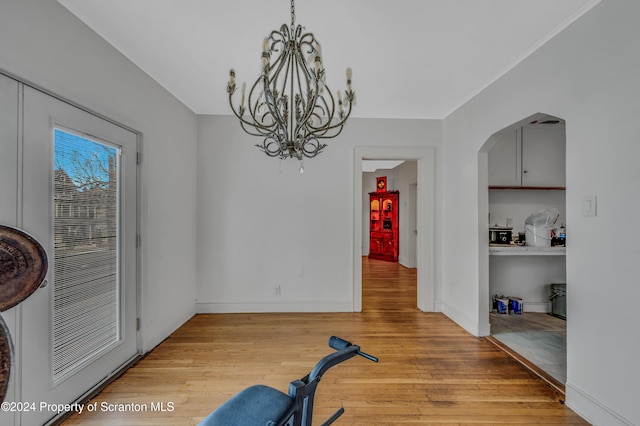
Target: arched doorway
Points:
(521, 171)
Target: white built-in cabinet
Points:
(532, 156)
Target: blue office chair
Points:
(261, 405)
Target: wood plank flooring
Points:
(431, 371)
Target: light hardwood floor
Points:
(431, 371)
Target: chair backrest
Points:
(303, 390)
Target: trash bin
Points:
(538, 227)
(558, 300)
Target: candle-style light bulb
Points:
(318, 58)
(349, 74)
(265, 54)
(232, 77)
(301, 167)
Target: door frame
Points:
(55, 121)
(425, 214)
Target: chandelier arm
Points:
(338, 126)
(312, 89)
(298, 103)
(244, 123)
(325, 110)
(252, 129)
(254, 107)
(316, 149)
(323, 130)
(279, 39)
(272, 99)
(308, 39)
(289, 80)
(275, 70)
(267, 143)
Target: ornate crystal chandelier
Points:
(290, 105)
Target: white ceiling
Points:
(410, 58)
(373, 165)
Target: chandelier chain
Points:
(293, 14)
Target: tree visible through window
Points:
(86, 280)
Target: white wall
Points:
(406, 175)
(262, 224)
(519, 205)
(42, 43)
(588, 75)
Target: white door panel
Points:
(8, 196)
(8, 149)
(40, 383)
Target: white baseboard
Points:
(542, 307)
(592, 410)
(165, 331)
(233, 308)
(461, 319)
(405, 262)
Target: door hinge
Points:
(138, 240)
(137, 324)
(138, 157)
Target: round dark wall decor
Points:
(6, 358)
(23, 266)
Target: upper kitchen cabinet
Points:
(543, 155)
(532, 156)
(505, 160)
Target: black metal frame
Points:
(303, 390)
(296, 412)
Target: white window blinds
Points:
(86, 292)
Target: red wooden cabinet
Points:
(383, 225)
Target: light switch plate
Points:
(590, 206)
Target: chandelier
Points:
(290, 105)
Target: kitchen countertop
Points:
(514, 250)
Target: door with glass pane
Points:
(79, 198)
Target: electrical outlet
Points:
(589, 206)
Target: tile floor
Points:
(538, 337)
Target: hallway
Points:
(388, 286)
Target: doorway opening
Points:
(388, 239)
(522, 177)
(424, 158)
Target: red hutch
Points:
(383, 223)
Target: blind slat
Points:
(86, 305)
